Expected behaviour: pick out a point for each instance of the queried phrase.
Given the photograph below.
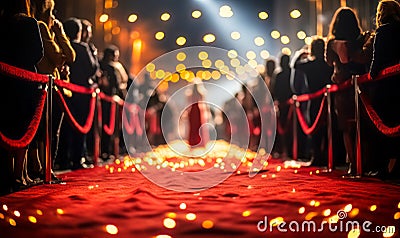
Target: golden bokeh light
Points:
(295, 14)
(160, 75)
(263, 15)
(207, 224)
(276, 221)
(326, 212)
(301, 35)
(103, 18)
(60, 211)
(235, 62)
(165, 16)
(264, 54)
(209, 38)
(302, 210)
(12, 222)
(396, 216)
(181, 40)
(259, 41)
(181, 56)
(159, 35)
(175, 78)
(169, 223)
(251, 55)
(253, 64)
(190, 216)
(225, 11)
(111, 229)
(116, 30)
(285, 40)
(348, 208)
(219, 64)
(32, 219)
(286, 51)
(17, 213)
(206, 63)
(203, 55)
(354, 233)
(275, 34)
(232, 54)
(183, 206)
(150, 67)
(308, 40)
(196, 14)
(246, 213)
(216, 75)
(235, 35)
(132, 18)
(373, 208)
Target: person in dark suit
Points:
(385, 97)
(20, 46)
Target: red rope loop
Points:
(26, 139)
(109, 129)
(73, 87)
(89, 121)
(134, 123)
(22, 74)
(303, 124)
(373, 115)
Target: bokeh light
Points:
(264, 54)
(159, 35)
(259, 41)
(181, 56)
(235, 35)
(251, 55)
(165, 16)
(275, 34)
(232, 54)
(132, 18)
(209, 38)
(111, 229)
(285, 40)
(286, 51)
(301, 35)
(203, 55)
(225, 11)
(196, 14)
(190, 216)
(308, 40)
(295, 14)
(207, 224)
(263, 15)
(180, 40)
(103, 18)
(169, 223)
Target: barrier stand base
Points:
(351, 176)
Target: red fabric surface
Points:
(94, 198)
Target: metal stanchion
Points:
(294, 125)
(116, 131)
(358, 135)
(49, 104)
(329, 128)
(96, 130)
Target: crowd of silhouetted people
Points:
(33, 39)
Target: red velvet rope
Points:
(134, 123)
(73, 87)
(89, 121)
(22, 74)
(304, 126)
(105, 97)
(32, 127)
(109, 129)
(384, 129)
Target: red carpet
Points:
(91, 199)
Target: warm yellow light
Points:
(165, 16)
(308, 40)
(251, 55)
(159, 35)
(190, 216)
(17, 213)
(182, 206)
(235, 35)
(285, 40)
(372, 208)
(150, 67)
(286, 51)
(169, 223)
(1, 216)
(206, 63)
(39, 212)
(216, 75)
(396, 216)
(275, 34)
(264, 54)
(132, 18)
(311, 215)
(235, 62)
(225, 11)
(259, 41)
(219, 63)
(181, 40)
(327, 212)
(348, 208)
(252, 63)
(116, 30)
(32, 219)
(185, 75)
(209, 38)
(354, 233)
(276, 221)
(263, 15)
(60, 211)
(159, 74)
(203, 55)
(232, 54)
(163, 236)
(196, 14)
(111, 229)
(207, 224)
(103, 18)
(301, 35)
(181, 56)
(240, 70)
(295, 14)
(175, 78)
(12, 222)
(246, 213)
(302, 210)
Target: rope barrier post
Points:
(96, 130)
(49, 104)
(294, 125)
(329, 128)
(358, 130)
